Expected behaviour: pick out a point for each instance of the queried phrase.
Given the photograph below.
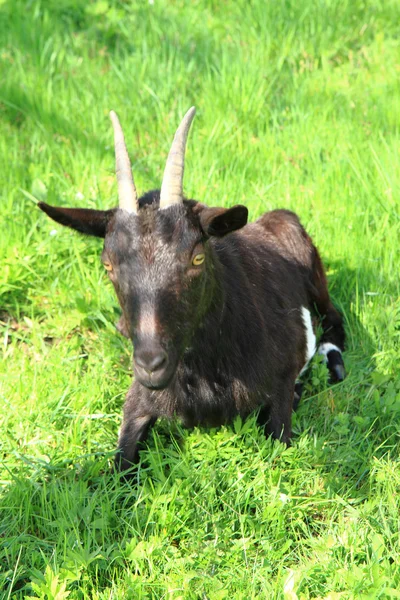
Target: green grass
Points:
(298, 107)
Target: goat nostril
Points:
(150, 361)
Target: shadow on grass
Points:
(106, 32)
(353, 422)
(20, 106)
(113, 28)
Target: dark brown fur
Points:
(218, 340)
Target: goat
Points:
(219, 311)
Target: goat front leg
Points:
(136, 423)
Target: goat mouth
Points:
(154, 382)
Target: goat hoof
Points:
(338, 373)
(336, 366)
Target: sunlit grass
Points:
(298, 106)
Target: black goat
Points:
(221, 324)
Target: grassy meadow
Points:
(298, 106)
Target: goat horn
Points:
(172, 183)
(128, 199)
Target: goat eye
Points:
(198, 259)
(107, 266)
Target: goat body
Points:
(245, 337)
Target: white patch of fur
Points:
(324, 349)
(310, 337)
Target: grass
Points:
(298, 107)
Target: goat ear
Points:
(85, 220)
(220, 221)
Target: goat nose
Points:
(151, 361)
